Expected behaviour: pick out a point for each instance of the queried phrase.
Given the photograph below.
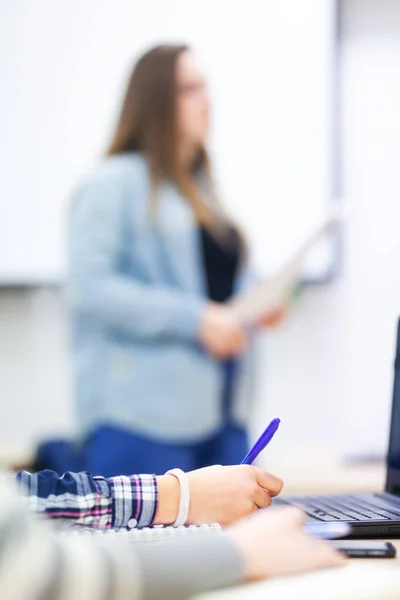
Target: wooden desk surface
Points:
(355, 581)
(360, 579)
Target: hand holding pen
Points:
(316, 529)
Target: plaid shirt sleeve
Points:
(117, 502)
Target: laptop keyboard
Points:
(360, 507)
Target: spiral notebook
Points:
(152, 534)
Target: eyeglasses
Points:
(192, 88)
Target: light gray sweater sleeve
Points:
(36, 563)
(96, 288)
(176, 571)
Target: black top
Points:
(221, 259)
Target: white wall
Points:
(328, 372)
(34, 376)
(63, 65)
(332, 364)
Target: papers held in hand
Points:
(273, 293)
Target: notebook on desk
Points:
(369, 515)
(158, 533)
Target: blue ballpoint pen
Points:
(262, 442)
(324, 531)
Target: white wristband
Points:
(184, 499)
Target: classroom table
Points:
(360, 579)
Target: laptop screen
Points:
(393, 474)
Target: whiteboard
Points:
(63, 70)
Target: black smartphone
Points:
(365, 549)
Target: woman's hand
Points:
(221, 332)
(218, 494)
(226, 494)
(273, 544)
(274, 318)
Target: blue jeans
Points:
(114, 451)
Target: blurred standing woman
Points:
(162, 369)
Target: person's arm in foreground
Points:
(36, 563)
(218, 494)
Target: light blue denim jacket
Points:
(136, 290)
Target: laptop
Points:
(369, 515)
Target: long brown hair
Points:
(147, 124)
